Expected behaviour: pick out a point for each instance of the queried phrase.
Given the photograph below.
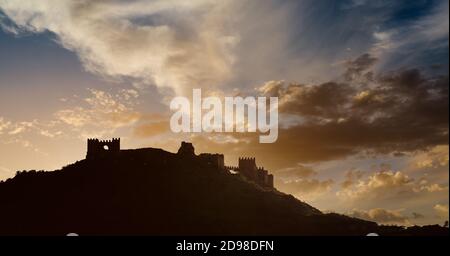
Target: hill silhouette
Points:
(154, 192)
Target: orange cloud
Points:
(151, 129)
(382, 216)
(441, 210)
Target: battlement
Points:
(248, 168)
(113, 140)
(247, 159)
(99, 148)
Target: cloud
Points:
(376, 105)
(363, 115)
(151, 129)
(435, 158)
(200, 43)
(351, 178)
(100, 113)
(415, 42)
(4, 124)
(436, 25)
(300, 181)
(167, 43)
(441, 210)
(342, 97)
(15, 128)
(358, 67)
(206, 43)
(382, 216)
(323, 101)
(296, 172)
(21, 127)
(55, 141)
(416, 215)
(389, 188)
(22, 139)
(17, 132)
(306, 189)
(103, 112)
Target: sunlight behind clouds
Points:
(359, 82)
(161, 42)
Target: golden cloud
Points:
(175, 44)
(441, 210)
(382, 216)
(305, 189)
(151, 129)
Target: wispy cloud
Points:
(99, 114)
(102, 113)
(167, 43)
(353, 78)
(416, 42)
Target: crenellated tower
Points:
(99, 148)
(248, 168)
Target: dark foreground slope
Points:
(153, 192)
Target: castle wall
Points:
(214, 160)
(247, 166)
(270, 180)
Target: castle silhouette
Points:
(152, 192)
(247, 167)
(96, 147)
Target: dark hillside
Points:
(154, 192)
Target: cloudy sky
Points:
(362, 85)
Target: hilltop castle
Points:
(247, 166)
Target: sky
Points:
(362, 88)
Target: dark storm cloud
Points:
(388, 113)
(391, 112)
(359, 65)
(314, 101)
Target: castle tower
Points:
(247, 166)
(249, 169)
(216, 161)
(100, 148)
(186, 149)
